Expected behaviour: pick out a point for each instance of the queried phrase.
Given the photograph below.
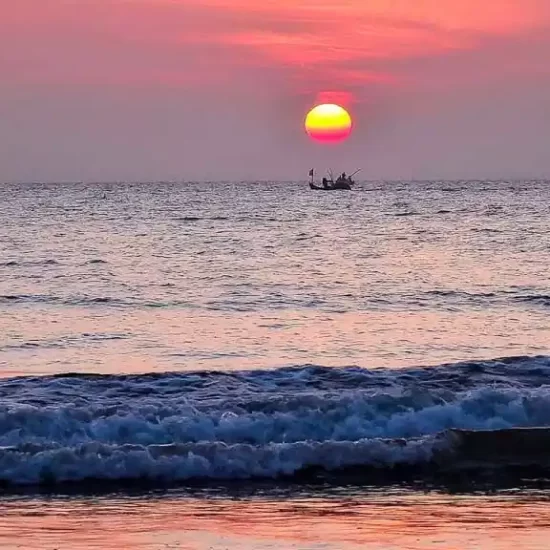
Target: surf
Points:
(181, 426)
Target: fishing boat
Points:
(343, 182)
(332, 186)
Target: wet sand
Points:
(331, 519)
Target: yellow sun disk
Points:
(328, 118)
(328, 122)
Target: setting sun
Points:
(328, 123)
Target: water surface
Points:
(332, 519)
(164, 276)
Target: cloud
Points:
(299, 44)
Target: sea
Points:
(258, 365)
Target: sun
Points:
(328, 123)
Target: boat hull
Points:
(334, 187)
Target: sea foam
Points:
(255, 424)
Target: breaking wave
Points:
(173, 427)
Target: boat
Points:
(332, 186)
(342, 182)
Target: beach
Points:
(343, 518)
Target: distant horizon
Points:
(542, 179)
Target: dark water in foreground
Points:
(218, 323)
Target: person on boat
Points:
(325, 183)
(341, 178)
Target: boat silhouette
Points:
(343, 182)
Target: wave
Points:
(250, 300)
(14, 263)
(35, 464)
(244, 425)
(62, 342)
(198, 219)
(90, 301)
(537, 299)
(450, 452)
(49, 299)
(405, 214)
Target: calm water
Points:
(163, 277)
(281, 291)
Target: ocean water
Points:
(161, 277)
(163, 335)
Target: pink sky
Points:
(217, 89)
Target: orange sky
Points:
(259, 65)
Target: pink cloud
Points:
(192, 42)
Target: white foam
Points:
(249, 424)
(36, 464)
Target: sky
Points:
(148, 90)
